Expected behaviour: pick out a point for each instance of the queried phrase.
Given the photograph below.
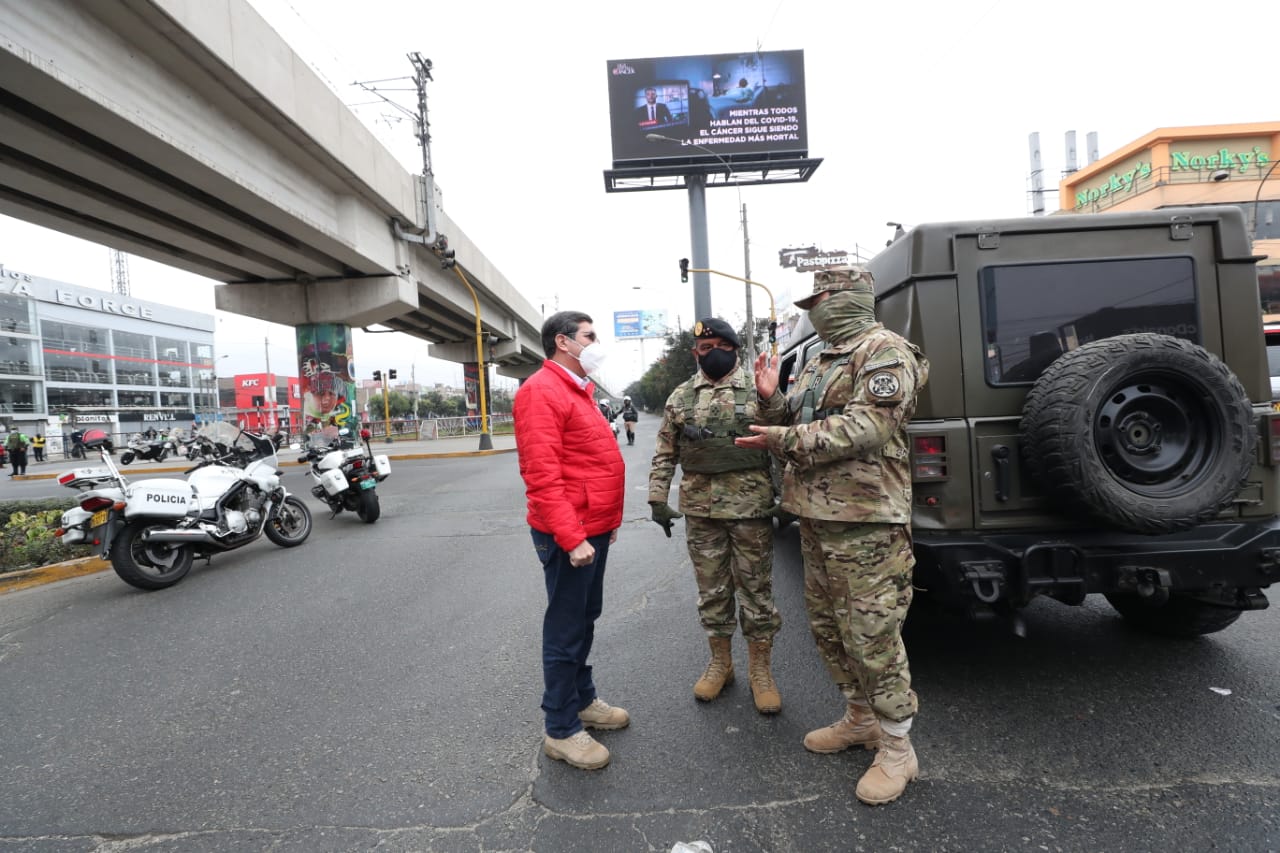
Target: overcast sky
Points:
(920, 111)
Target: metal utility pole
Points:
(119, 273)
(266, 351)
(422, 73)
(746, 266)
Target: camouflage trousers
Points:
(857, 588)
(733, 558)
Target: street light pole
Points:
(746, 266)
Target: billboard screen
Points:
(733, 103)
(639, 324)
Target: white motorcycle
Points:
(346, 476)
(152, 530)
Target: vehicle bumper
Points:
(1226, 563)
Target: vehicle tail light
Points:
(59, 531)
(1273, 438)
(357, 463)
(66, 478)
(95, 503)
(928, 457)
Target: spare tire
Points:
(1148, 432)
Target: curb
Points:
(452, 454)
(27, 578)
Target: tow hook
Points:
(1151, 585)
(986, 577)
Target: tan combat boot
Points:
(580, 750)
(719, 671)
(763, 690)
(858, 726)
(895, 765)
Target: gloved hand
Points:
(664, 515)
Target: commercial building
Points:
(1220, 164)
(72, 356)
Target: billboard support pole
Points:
(746, 265)
(698, 251)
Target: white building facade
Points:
(74, 356)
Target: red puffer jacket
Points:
(573, 472)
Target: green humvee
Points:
(1098, 416)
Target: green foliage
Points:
(401, 405)
(674, 366)
(26, 535)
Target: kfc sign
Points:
(250, 383)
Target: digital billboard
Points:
(639, 324)
(732, 103)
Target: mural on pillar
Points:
(326, 374)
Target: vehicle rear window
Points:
(1032, 313)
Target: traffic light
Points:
(391, 374)
(377, 375)
(684, 270)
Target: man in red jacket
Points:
(574, 481)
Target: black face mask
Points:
(717, 363)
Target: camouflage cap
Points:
(714, 327)
(851, 277)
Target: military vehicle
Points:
(1098, 415)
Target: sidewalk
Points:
(467, 445)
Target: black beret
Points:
(714, 327)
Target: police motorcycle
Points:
(152, 530)
(145, 449)
(345, 474)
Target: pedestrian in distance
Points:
(726, 500)
(37, 446)
(629, 418)
(574, 482)
(848, 479)
(16, 446)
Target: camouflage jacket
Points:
(846, 454)
(699, 412)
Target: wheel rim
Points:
(1155, 432)
(290, 520)
(156, 558)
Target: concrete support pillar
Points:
(325, 371)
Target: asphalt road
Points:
(378, 688)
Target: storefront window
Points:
(19, 357)
(1268, 225)
(175, 363)
(18, 397)
(71, 398)
(132, 346)
(15, 313)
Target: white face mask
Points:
(591, 357)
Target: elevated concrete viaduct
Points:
(189, 132)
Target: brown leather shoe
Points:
(895, 765)
(719, 671)
(858, 726)
(601, 715)
(580, 750)
(763, 689)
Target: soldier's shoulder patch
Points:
(884, 384)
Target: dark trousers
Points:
(18, 458)
(575, 597)
(39, 452)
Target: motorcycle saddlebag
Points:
(163, 498)
(334, 481)
(381, 467)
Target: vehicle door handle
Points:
(1000, 455)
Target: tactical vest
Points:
(713, 450)
(802, 405)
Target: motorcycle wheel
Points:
(369, 509)
(148, 565)
(291, 524)
(126, 457)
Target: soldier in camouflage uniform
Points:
(848, 478)
(726, 496)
